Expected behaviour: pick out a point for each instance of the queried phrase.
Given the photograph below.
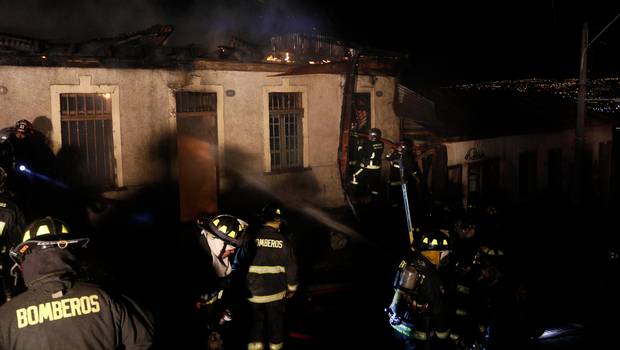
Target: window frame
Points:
(86, 121)
(285, 88)
(85, 86)
(288, 118)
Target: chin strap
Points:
(15, 273)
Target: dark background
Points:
(447, 42)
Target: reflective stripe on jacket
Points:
(273, 270)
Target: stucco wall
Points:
(143, 107)
(246, 115)
(507, 150)
(147, 124)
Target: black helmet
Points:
(47, 232)
(375, 132)
(435, 240)
(226, 227)
(435, 245)
(490, 254)
(406, 143)
(24, 126)
(271, 212)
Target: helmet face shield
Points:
(434, 256)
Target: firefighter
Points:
(12, 224)
(32, 161)
(31, 149)
(353, 155)
(462, 280)
(59, 312)
(418, 313)
(220, 236)
(403, 154)
(508, 312)
(271, 279)
(367, 178)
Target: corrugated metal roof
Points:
(417, 112)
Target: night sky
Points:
(447, 42)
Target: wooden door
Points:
(197, 153)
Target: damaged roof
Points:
(291, 53)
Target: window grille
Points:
(188, 102)
(86, 127)
(285, 130)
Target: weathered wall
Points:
(143, 107)
(507, 150)
(147, 124)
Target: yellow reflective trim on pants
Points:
(216, 297)
(291, 287)
(462, 289)
(409, 332)
(276, 346)
(2, 224)
(266, 269)
(261, 299)
(442, 335)
(355, 175)
(461, 312)
(454, 336)
(255, 346)
(402, 329)
(419, 335)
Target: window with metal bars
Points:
(285, 130)
(86, 127)
(188, 101)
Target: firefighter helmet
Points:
(226, 227)
(406, 144)
(271, 212)
(375, 132)
(24, 126)
(47, 232)
(489, 254)
(435, 245)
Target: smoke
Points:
(206, 23)
(303, 207)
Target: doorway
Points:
(197, 153)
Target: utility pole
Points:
(581, 116)
(581, 110)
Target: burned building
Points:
(136, 112)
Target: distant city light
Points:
(603, 94)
